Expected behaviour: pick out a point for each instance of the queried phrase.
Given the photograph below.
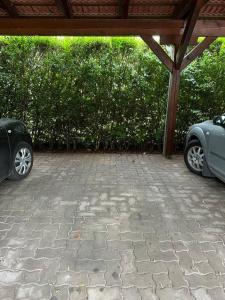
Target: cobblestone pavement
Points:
(112, 227)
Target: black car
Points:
(16, 155)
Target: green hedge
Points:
(102, 93)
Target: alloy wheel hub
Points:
(196, 158)
(23, 161)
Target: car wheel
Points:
(22, 161)
(194, 157)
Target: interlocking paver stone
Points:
(112, 227)
(175, 294)
(34, 292)
(60, 292)
(217, 293)
(113, 274)
(138, 280)
(131, 294)
(31, 277)
(96, 279)
(72, 278)
(148, 294)
(78, 293)
(113, 293)
(204, 268)
(207, 281)
(89, 265)
(7, 292)
(127, 261)
(216, 262)
(151, 267)
(8, 277)
(162, 280)
(140, 251)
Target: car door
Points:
(217, 148)
(4, 153)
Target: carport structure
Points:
(179, 23)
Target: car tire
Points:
(22, 161)
(194, 157)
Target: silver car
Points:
(205, 148)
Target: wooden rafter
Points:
(8, 6)
(66, 7)
(182, 9)
(188, 31)
(180, 12)
(159, 52)
(123, 8)
(197, 51)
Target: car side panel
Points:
(216, 156)
(210, 137)
(5, 154)
(18, 133)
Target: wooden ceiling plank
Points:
(66, 7)
(159, 51)
(8, 6)
(197, 51)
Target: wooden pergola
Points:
(179, 23)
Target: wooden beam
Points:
(182, 9)
(106, 27)
(9, 7)
(188, 31)
(210, 28)
(66, 7)
(173, 93)
(197, 51)
(159, 52)
(101, 27)
(123, 8)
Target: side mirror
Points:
(219, 121)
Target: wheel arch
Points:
(192, 138)
(197, 134)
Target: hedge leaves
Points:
(107, 94)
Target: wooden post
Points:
(173, 93)
(174, 83)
